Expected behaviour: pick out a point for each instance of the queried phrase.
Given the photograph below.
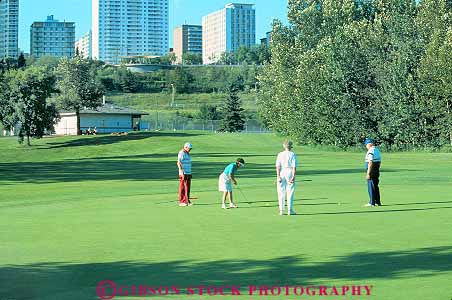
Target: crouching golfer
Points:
(286, 168)
(226, 179)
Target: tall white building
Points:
(9, 28)
(124, 28)
(228, 29)
(84, 45)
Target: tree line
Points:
(345, 70)
(199, 79)
(254, 55)
(31, 96)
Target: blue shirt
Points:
(185, 160)
(231, 169)
(373, 154)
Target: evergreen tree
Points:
(233, 116)
(21, 62)
(128, 81)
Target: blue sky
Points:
(191, 11)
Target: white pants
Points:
(285, 189)
(224, 183)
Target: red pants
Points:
(184, 188)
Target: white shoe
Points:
(223, 206)
(232, 205)
(281, 213)
(368, 205)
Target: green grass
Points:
(79, 210)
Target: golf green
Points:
(76, 211)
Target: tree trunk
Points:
(77, 115)
(28, 140)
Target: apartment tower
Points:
(125, 28)
(228, 29)
(84, 45)
(9, 28)
(52, 38)
(187, 39)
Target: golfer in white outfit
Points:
(286, 168)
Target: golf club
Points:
(243, 195)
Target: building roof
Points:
(108, 108)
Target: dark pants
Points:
(184, 188)
(372, 184)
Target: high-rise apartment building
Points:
(187, 39)
(267, 39)
(84, 45)
(52, 38)
(124, 28)
(9, 28)
(228, 29)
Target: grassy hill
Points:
(184, 102)
(79, 210)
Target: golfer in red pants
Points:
(184, 165)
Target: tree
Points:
(7, 115)
(181, 78)
(7, 64)
(263, 53)
(191, 58)
(233, 116)
(343, 70)
(50, 62)
(24, 102)
(126, 80)
(227, 58)
(434, 75)
(77, 86)
(168, 59)
(21, 62)
(208, 112)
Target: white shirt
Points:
(185, 160)
(286, 159)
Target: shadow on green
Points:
(78, 281)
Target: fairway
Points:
(75, 211)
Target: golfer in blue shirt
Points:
(373, 164)
(226, 179)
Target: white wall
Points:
(67, 125)
(213, 36)
(106, 123)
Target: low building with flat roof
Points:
(107, 118)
